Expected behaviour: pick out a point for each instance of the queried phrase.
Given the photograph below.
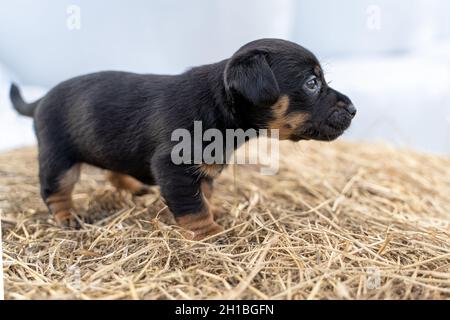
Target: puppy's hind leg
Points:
(58, 178)
(126, 182)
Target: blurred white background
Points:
(391, 57)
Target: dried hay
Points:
(339, 221)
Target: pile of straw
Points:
(339, 221)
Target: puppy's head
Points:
(278, 84)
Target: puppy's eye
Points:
(312, 84)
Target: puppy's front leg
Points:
(181, 188)
(201, 223)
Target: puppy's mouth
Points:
(330, 129)
(324, 133)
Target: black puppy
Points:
(123, 122)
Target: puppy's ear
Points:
(249, 75)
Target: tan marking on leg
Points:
(60, 202)
(68, 180)
(63, 218)
(201, 223)
(207, 189)
(211, 170)
(126, 182)
(287, 124)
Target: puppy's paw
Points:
(212, 230)
(200, 224)
(205, 232)
(65, 220)
(142, 191)
(128, 183)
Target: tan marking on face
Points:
(60, 202)
(201, 223)
(318, 70)
(287, 124)
(210, 170)
(125, 182)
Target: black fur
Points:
(123, 121)
(26, 109)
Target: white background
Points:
(398, 75)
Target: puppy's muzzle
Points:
(342, 115)
(338, 121)
(347, 106)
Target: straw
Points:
(339, 221)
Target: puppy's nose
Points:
(349, 107)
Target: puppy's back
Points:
(101, 116)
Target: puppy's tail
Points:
(26, 109)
